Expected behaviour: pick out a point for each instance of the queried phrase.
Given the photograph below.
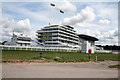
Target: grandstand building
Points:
(19, 40)
(58, 36)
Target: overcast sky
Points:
(98, 19)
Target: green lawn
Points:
(63, 56)
(114, 66)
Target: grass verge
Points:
(114, 66)
(8, 55)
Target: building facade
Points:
(19, 40)
(87, 42)
(58, 36)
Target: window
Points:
(54, 40)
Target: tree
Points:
(3, 43)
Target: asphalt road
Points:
(59, 70)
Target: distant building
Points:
(110, 47)
(19, 40)
(58, 36)
(87, 42)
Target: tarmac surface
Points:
(59, 70)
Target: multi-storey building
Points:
(19, 40)
(58, 36)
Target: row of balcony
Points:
(58, 38)
(61, 27)
(75, 36)
(64, 39)
(47, 38)
(69, 34)
(59, 42)
(52, 42)
(67, 30)
(70, 31)
(65, 36)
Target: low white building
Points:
(86, 45)
(19, 40)
(87, 42)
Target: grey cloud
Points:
(8, 27)
(110, 37)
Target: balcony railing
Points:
(68, 33)
(47, 31)
(51, 41)
(65, 39)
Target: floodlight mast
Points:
(51, 5)
(50, 19)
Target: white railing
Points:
(48, 31)
(51, 41)
(68, 33)
(40, 48)
(106, 51)
(68, 36)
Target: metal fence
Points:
(28, 48)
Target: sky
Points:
(97, 19)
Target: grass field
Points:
(63, 56)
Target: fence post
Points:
(40, 49)
(21, 48)
(8, 48)
(96, 58)
(15, 48)
(45, 49)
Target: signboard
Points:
(89, 51)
